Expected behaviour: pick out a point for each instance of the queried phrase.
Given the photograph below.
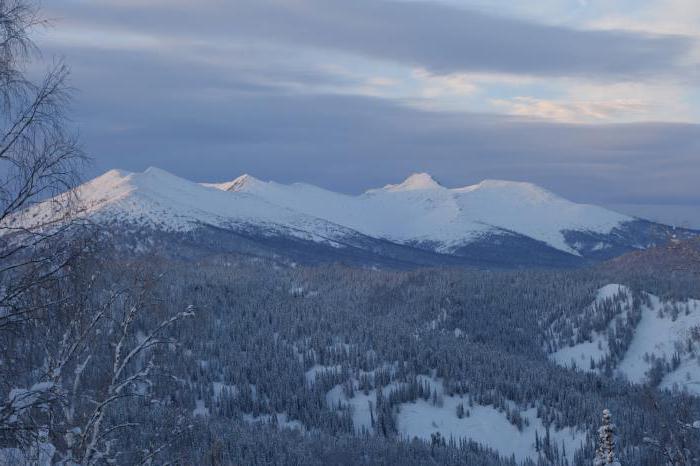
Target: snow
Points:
(283, 421)
(419, 209)
(685, 377)
(359, 404)
(310, 375)
(534, 212)
(657, 335)
(156, 198)
(414, 211)
(219, 387)
(200, 409)
(416, 181)
(580, 355)
(485, 424)
(610, 291)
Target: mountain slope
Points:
(646, 340)
(417, 221)
(160, 200)
(419, 211)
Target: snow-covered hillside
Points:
(416, 212)
(160, 200)
(419, 210)
(664, 345)
(595, 347)
(441, 414)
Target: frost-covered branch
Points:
(123, 376)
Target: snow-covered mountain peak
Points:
(243, 183)
(415, 182)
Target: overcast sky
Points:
(597, 100)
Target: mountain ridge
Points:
(488, 221)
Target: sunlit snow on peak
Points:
(417, 181)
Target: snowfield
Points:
(661, 336)
(484, 424)
(664, 330)
(416, 211)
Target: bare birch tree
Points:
(39, 158)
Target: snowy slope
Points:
(596, 348)
(664, 330)
(659, 334)
(158, 199)
(484, 424)
(418, 211)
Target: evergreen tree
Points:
(605, 454)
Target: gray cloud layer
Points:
(438, 37)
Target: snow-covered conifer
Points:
(605, 454)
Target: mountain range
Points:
(413, 223)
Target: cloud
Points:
(571, 111)
(440, 38)
(679, 17)
(591, 102)
(456, 84)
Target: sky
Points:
(597, 100)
